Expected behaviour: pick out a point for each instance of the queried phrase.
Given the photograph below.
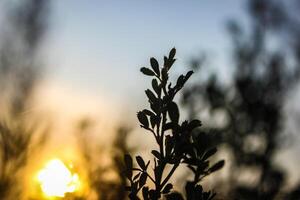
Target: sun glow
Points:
(56, 179)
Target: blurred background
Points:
(70, 87)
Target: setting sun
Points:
(56, 179)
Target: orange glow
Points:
(56, 179)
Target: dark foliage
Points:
(254, 100)
(179, 143)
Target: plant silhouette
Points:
(179, 143)
(253, 102)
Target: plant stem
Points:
(170, 174)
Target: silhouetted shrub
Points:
(179, 143)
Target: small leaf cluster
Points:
(179, 143)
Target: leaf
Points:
(171, 126)
(209, 153)
(155, 107)
(156, 172)
(153, 121)
(155, 66)
(167, 188)
(166, 62)
(194, 124)
(156, 87)
(143, 179)
(180, 81)
(217, 166)
(128, 161)
(172, 53)
(167, 126)
(156, 154)
(173, 112)
(143, 119)
(188, 75)
(147, 71)
(164, 74)
(203, 166)
(141, 162)
(128, 164)
(169, 145)
(148, 112)
(145, 192)
(150, 96)
(171, 62)
(136, 176)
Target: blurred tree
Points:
(105, 188)
(19, 70)
(266, 69)
(120, 149)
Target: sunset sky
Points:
(91, 87)
(99, 46)
(94, 49)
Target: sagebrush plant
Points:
(179, 143)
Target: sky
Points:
(94, 49)
(98, 47)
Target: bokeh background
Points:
(70, 87)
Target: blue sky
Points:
(98, 46)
